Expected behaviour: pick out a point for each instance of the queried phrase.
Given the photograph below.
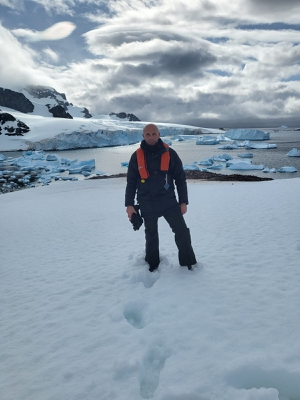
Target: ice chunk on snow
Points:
(292, 153)
(247, 134)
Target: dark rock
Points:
(42, 92)
(123, 115)
(11, 129)
(15, 100)
(206, 176)
(86, 113)
(219, 177)
(59, 112)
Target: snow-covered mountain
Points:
(41, 100)
(27, 123)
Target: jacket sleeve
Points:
(179, 177)
(132, 179)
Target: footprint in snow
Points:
(134, 314)
(152, 365)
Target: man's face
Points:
(151, 134)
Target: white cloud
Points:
(57, 31)
(169, 59)
(19, 65)
(51, 54)
(12, 3)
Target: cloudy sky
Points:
(202, 62)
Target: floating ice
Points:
(192, 167)
(294, 153)
(287, 169)
(206, 162)
(247, 134)
(232, 146)
(216, 167)
(222, 157)
(245, 166)
(207, 140)
(249, 145)
(52, 157)
(38, 166)
(245, 155)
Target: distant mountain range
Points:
(44, 101)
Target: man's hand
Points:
(130, 210)
(183, 207)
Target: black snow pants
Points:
(177, 223)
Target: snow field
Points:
(82, 318)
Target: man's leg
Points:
(177, 223)
(152, 243)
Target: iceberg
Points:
(215, 167)
(287, 169)
(207, 140)
(232, 146)
(245, 155)
(245, 166)
(247, 134)
(206, 162)
(188, 167)
(294, 153)
(249, 145)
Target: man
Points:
(152, 171)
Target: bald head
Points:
(151, 134)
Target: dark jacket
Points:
(154, 199)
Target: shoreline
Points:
(200, 175)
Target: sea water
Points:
(108, 159)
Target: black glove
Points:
(136, 219)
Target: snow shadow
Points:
(252, 376)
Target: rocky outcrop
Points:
(123, 115)
(59, 112)
(11, 126)
(62, 108)
(86, 113)
(15, 100)
(42, 92)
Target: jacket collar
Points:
(156, 148)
